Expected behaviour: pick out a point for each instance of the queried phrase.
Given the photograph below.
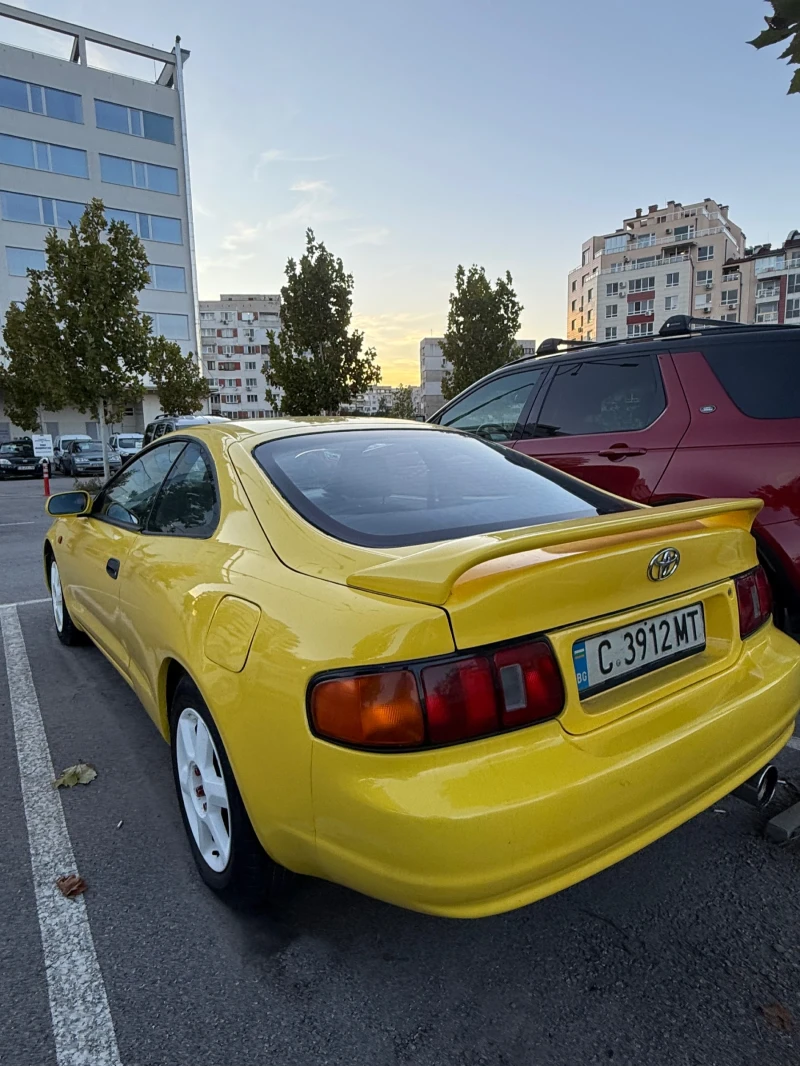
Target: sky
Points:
(419, 135)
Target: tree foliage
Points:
(783, 25)
(316, 359)
(481, 327)
(181, 390)
(403, 406)
(80, 339)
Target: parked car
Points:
(423, 666)
(125, 444)
(17, 459)
(85, 459)
(683, 415)
(172, 423)
(60, 445)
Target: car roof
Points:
(256, 430)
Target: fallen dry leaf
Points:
(777, 1016)
(79, 774)
(71, 885)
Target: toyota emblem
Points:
(664, 564)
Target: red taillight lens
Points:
(530, 683)
(460, 700)
(755, 600)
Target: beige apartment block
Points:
(769, 280)
(661, 262)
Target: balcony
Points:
(768, 294)
(767, 316)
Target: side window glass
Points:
(130, 495)
(187, 504)
(602, 396)
(493, 410)
(160, 430)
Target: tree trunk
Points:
(101, 413)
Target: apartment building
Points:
(433, 365)
(379, 399)
(661, 262)
(234, 343)
(69, 132)
(768, 280)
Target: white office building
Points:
(234, 341)
(433, 365)
(69, 132)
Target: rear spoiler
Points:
(427, 576)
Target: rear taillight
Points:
(461, 698)
(755, 600)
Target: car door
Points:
(613, 421)
(94, 550)
(175, 550)
(493, 409)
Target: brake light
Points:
(755, 600)
(462, 698)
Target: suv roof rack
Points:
(684, 323)
(551, 345)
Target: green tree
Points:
(481, 327)
(316, 359)
(80, 339)
(181, 390)
(783, 25)
(403, 406)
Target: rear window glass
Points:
(762, 379)
(382, 488)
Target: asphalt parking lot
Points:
(686, 953)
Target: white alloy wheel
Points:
(56, 596)
(203, 790)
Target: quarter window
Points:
(493, 410)
(187, 504)
(762, 378)
(602, 396)
(130, 495)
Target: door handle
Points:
(622, 453)
(112, 568)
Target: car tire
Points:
(223, 843)
(66, 630)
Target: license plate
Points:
(617, 656)
(25, 468)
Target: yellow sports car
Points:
(417, 663)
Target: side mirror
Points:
(69, 503)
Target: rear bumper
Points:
(491, 825)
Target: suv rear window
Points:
(392, 487)
(762, 378)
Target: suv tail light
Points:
(450, 700)
(755, 600)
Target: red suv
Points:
(678, 416)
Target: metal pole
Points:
(103, 439)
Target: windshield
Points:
(391, 487)
(16, 449)
(87, 446)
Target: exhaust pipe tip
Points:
(759, 789)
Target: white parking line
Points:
(82, 1026)
(24, 603)
(31, 523)
(793, 742)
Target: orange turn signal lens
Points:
(377, 710)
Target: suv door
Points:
(494, 409)
(611, 420)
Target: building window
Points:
(705, 251)
(21, 260)
(250, 383)
(211, 364)
(730, 296)
(641, 307)
(767, 312)
(584, 280)
(251, 349)
(226, 317)
(574, 285)
(705, 277)
(670, 303)
(642, 284)
(729, 317)
(39, 210)
(589, 335)
(224, 349)
(645, 240)
(249, 334)
(589, 315)
(611, 310)
(207, 331)
(641, 329)
(209, 349)
(572, 324)
(227, 333)
(612, 289)
(173, 327)
(249, 366)
(673, 280)
(793, 283)
(768, 290)
(252, 397)
(167, 278)
(618, 243)
(770, 262)
(611, 333)
(661, 218)
(40, 100)
(114, 170)
(38, 155)
(574, 302)
(149, 227)
(248, 316)
(683, 233)
(703, 300)
(231, 398)
(121, 119)
(793, 308)
(207, 316)
(590, 294)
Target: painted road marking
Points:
(24, 603)
(82, 1026)
(31, 523)
(793, 742)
